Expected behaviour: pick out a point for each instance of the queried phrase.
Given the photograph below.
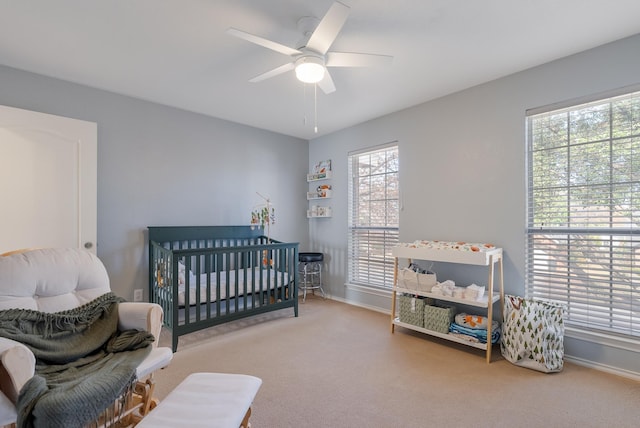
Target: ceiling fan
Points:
(312, 57)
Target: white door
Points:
(48, 181)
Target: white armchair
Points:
(58, 279)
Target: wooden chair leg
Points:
(143, 397)
(142, 401)
(245, 422)
(148, 400)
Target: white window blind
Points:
(583, 239)
(373, 216)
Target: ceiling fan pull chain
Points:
(304, 104)
(315, 107)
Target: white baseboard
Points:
(603, 368)
(360, 305)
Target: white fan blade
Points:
(348, 59)
(263, 42)
(328, 28)
(326, 84)
(274, 72)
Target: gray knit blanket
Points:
(83, 362)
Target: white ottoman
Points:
(208, 400)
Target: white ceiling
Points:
(176, 52)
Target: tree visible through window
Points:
(583, 239)
(373, 216)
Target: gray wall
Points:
(462, 171)
(162, 166)
(462, 160)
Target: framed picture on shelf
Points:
(323, 166)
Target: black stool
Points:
(310, 270)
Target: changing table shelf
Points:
(451, 252)
(448, 337)
(468, 302)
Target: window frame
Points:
(370, 265)
(586, 291)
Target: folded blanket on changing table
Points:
(471, 321)
(476, 334)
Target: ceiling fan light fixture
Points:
(310, 69)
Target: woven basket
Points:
(412, 310)
(439, 318)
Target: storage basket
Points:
(439, 318)
(412, 310)
(417, 281)
(533, 333)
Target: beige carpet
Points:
(339, 366)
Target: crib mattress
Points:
(269, 278)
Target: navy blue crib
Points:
(204, 276)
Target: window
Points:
(373, 216)
(583, 239)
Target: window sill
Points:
(610, 340)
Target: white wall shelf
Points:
(319, 212)
(324, 194)
(319, 177)
(322, 191)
